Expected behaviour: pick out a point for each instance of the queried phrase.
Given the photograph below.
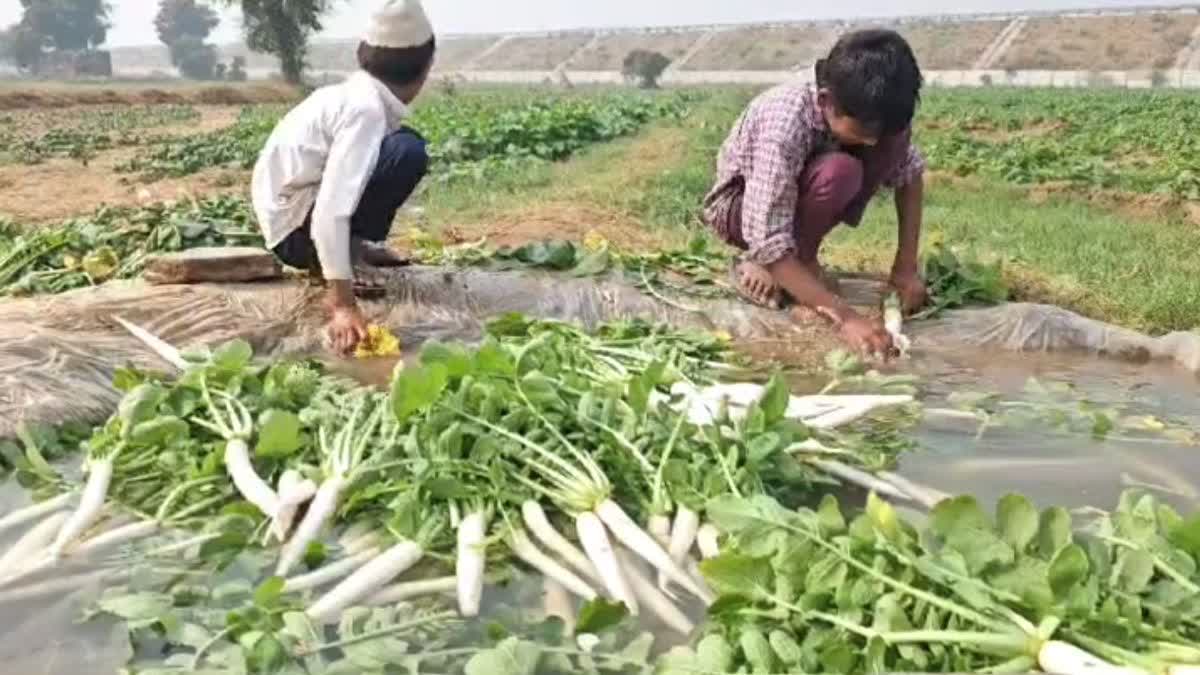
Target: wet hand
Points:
(346, 328)
(868, 337)
(911, 289)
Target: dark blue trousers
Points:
(403, 162)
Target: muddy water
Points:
(1052, 467)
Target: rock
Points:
(197, 265)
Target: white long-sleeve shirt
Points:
(320, 158)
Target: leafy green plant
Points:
(954, 282)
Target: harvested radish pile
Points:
(268, 517)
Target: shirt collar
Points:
(395, 108)
(813, 114)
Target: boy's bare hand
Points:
(867, 336)
(346, 328)
(911, 289)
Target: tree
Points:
(282, 28)
(195, 59)
(645, 66)
(74, 25)
(22, 47)
(184, 26)
(237, 69)
(178, 19)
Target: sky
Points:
(133, 19)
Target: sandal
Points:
(775, 301)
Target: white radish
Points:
(706, 541)
(859, 477)
(34, 511)
(334, 571)
(535, 558)
(1061, 657)
(294, 490)
(647, 594)
(115, 537)
(354, 533)
(556, 601)
(468, 566)
(659, 527)
(627, 532)
(320, 511)
(407, 590)
(1183, 670)
(32, 545)
(368, 540)
(366, 579)
(539, 525)
(91, 504)
(600, 552)
(247, 481)
(683, 534)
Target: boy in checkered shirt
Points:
(805, 157)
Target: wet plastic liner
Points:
(58, 354)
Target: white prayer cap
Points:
(399, 24)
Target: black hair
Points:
(874, 78)
(396, 66)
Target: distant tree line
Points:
(281, 28)
(50, 27)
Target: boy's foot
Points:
(378, 255)
(754, 284)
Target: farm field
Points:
(629, 498)
(1096, 168)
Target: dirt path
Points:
(61, 188)
(582, 197)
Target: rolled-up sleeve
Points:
(351, 160)
(910, 168)
(779, 150)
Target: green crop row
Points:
(31, 139)
(463, 128)
(1143, 142)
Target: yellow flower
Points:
(380, 342)
(594, 241)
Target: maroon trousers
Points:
(834, 187)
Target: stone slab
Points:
(212, 264)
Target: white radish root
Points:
(29, 549)
(469, 564)
(334, 571)
(366, 579)
(294, 490)
(539, 525)
(247, 481)
(659, 527)
(533, 556)
(706, 541)
(683, 534)
(1061, 657)
(407, 590)
(604, 559)
(115, 537)
(653, 599)
(34, 512)
(628, 533)
(91, 505)
(556, 601)
(321, 510)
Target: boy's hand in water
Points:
(347, 326)
(867, 336)
(911, 289)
